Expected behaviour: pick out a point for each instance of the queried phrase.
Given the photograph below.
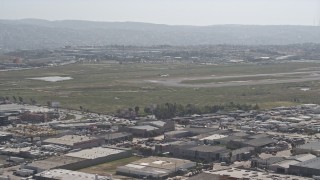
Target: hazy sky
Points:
(182, 12)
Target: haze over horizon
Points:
(170, 12)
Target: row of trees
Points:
(17, 99)
(170, 110)
(129, 113)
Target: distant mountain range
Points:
(38, 34)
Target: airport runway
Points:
(270, 79)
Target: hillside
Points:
(35, 34)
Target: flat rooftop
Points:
(64, 174)
(145, 127)
(286, 163)
(258, 136)
(155, 166)
(302, 157)
(242, 150)
(175, 132)
(312, 163)
(207, 176)
(68, 140)
(247, 174)
(54, 162)
(94, 153)
(214, 137)
(260, 142)
(160, 162)
(205, 148)
(311, 145)
(156, 123)
(116, 135)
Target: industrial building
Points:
(79, 159)
(282, 166)
(54, 162)
(4, 119)
(212, 139)
(63, 174)
(241, 154)
(163, 125)
(4, 136)
(113, 138)
(173, 135)
(237, 173)
(75, 141)
(259, 143)
(149, 128)
(155, 167)
(100, 155)
(307, 168)
(311, 147)
(265, 163)
(191, 150)
(206, 153)
(142, 131)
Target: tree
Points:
(33, 102)
(230, 156)
(147, 110)
(165, 111)
(256, 107)
(14, 98)
(20, 99)
(136, 109)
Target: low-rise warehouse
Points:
(99, 155)
(235, 173)
(191, 150)
(206, 153)
(80, 159)
(260, 142)
(307, 168)
(212, 138)
(149, 128)
(117, 137)
(311, 147)
(172, 135)
(142, 131)
(75, 141)
(63, 174)
(155, 167)
(62, 162)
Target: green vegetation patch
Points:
(105, 88)
(109, 167)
